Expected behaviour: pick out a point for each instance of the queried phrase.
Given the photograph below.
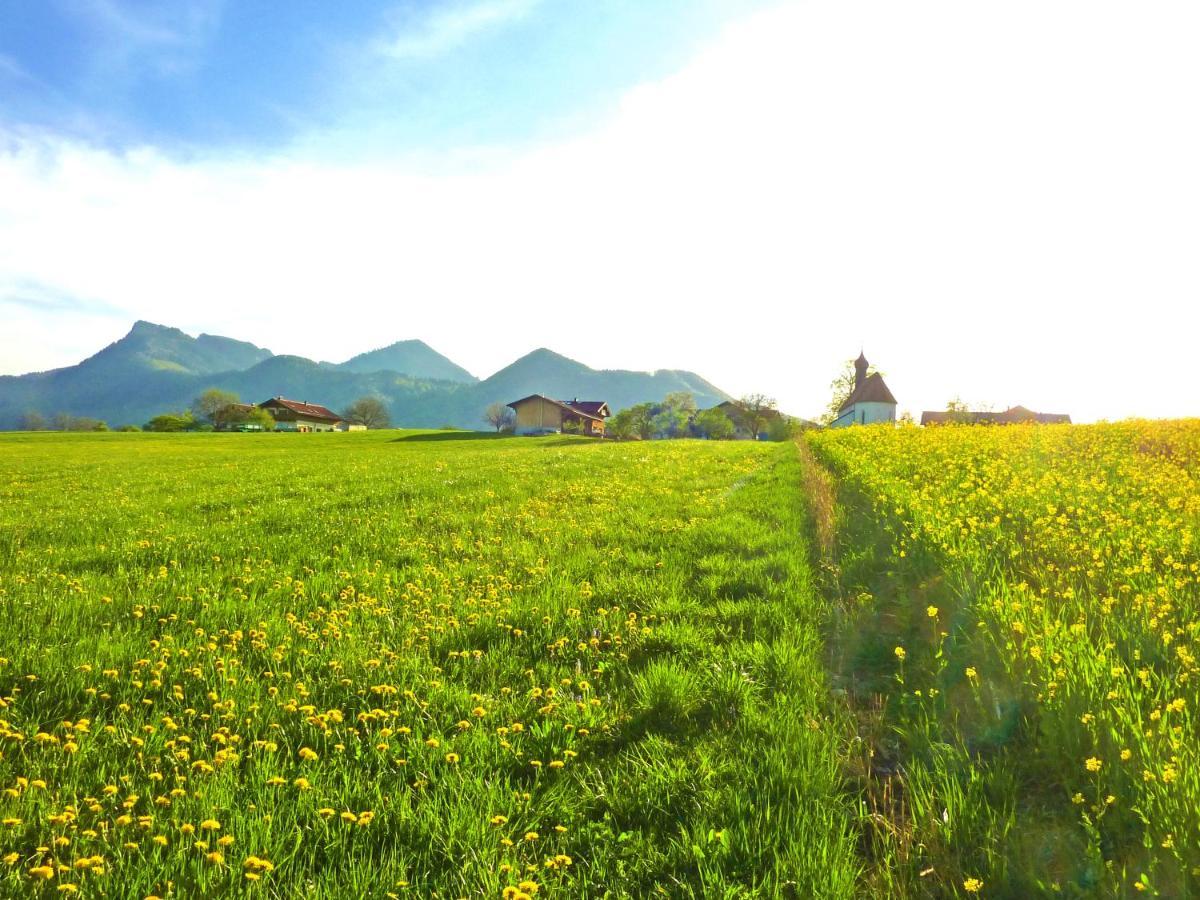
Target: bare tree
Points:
(368, 411)
(754, 411)
(499, 416)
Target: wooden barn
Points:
(537, 414)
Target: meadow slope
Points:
(356, 666)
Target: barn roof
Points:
(308, 410)
(577, 407)
(872, 390)
(1011, 416)
(591, 407)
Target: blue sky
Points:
(994, 201)
(372, 77)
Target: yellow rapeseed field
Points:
(1041, 591)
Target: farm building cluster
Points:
(870, 401)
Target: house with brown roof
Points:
(297, 415)
(870, 401)
(1014, 415)
(537, 414)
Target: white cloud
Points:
(996, 202)
(442, 28)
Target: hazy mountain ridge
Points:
(156, 369)
(413, 357)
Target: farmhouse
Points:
(537, 414)
(295, 415)
(1014, 415)
(869, 402)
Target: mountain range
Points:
(156, 369)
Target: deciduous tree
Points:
(260, 417)
(500, 416)
(714, 424)
(369, 411)
(753, 412)
(672, 416)
(217, 407)
(33, 421)
(183, 421)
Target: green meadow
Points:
(412, 664)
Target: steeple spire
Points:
(860, 369)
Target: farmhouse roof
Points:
(591, 407)
(308, 410)
(872, 390)
(577, 407)
(1012, 415)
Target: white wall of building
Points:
(866, 414)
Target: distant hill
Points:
(156, 369)
(159, 348)
(130, 380)
(413, 358)
(546, 372)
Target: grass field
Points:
(881, 662)
(363, 666)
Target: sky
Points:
(996, 202)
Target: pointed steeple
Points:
(860, 369)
